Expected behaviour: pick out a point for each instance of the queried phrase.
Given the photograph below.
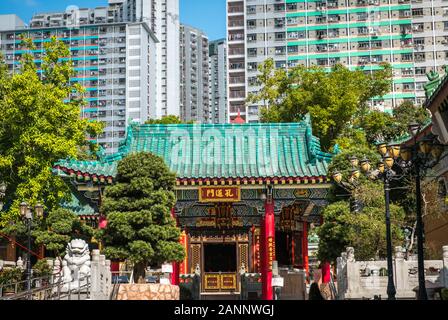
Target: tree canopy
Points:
(40, 124)
(170, 119)
(60, 227)
(140, 227)
(333, 99)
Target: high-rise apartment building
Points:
(162, 16)
(114, 59)
(410, 35)
(218, 81)
(194, 70)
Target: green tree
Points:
(140, 227)
(333, 99)
(365, 231)
(171, 119)
(38, 127)
(60, 227)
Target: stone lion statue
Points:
(76, 265)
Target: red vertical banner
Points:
(267, 251)
(183, 265)
(306, 263)
(175, 274)
(256, 241)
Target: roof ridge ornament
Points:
(434, 82)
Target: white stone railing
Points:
(12, 264)
(365, 279)
(101, 277)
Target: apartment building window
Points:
(363, 45)
(376, 44)
(293, 49)
(322, 62)
(333, 33)
(321, 34)
(279, 22)
(280, 50)
(406, 57)
(408, 87)
(252, 52)
(405, 13)
(333, 18)
(296, 35)
(334, 61)
(251, 24)
(407, 72)
(291, 6)
(280, 36)
(251, 9)
(418, 27)
(321, 19)
(280, 64)
(321, 48)
(421, 71)
(332, 4)
(292, 20)
(445, 25)
(362, 16)
(376, 59)
(252, 66)
(418, 12)
(251, 37)
(420, 56)
(363, 30)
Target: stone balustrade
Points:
(367, 279)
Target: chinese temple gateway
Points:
(246, 194)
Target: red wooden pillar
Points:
(175, 275)
(267, 250)
(306, 263)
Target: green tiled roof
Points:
(219, 151)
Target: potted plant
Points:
(8, 280)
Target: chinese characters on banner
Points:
(183, 265)
(219, 194)
(271, 252)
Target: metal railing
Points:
(47, 288)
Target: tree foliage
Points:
(60, 227)
(333, 99)
(140, 227)
(170, 119)
(38, 127)
(365, 231)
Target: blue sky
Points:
(208, 15)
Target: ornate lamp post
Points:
(27, 216)
(417, 159)
(386, 174)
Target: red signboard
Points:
(219, 194)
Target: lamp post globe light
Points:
(417, 159)
(28, 216)
(386, 174)
(413, 160)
